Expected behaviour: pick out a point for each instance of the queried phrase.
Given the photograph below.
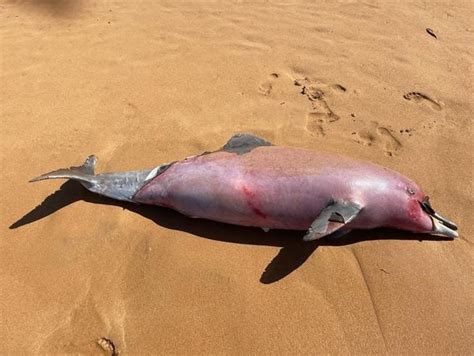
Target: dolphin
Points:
(251, 182)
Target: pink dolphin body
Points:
(254, 183)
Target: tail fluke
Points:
(84, 173)
(120, 186)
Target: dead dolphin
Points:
(251, 182)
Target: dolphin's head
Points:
(416, 214)
(440, 225)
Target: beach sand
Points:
(142, 83)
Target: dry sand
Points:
(141, 83)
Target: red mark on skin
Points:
(249, 195)
(414, 210)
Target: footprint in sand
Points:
(266, 86)
(318, 94)
(316, 122)
(107, 345)
(321, 113)
(417, 97)
(379, 137)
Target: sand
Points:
(142, 83)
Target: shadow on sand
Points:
(55, 8)
(293, 253)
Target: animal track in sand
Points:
(266, 86)
(380, 137)
(417, 97)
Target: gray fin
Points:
(243, 143)
(120, 186)
(332, 218)
(84, 173)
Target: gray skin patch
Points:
(244, 143)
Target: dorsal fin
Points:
(243, 142)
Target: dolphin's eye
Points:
(410, 191)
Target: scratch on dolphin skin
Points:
(377, 317)
(250, 195)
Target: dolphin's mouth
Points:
(441, 225)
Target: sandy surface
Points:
(141, 83)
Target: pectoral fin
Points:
(332, 218)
